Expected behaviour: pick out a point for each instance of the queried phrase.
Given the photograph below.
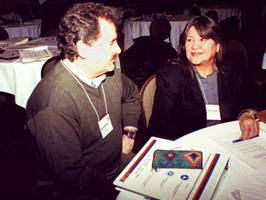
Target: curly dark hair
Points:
(81, 23)
(207, 28)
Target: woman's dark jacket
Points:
(179, 107)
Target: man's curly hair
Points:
(81, 23)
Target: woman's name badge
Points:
(105, 125)
(213, 112)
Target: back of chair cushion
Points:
(147, 92)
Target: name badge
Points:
(213, 112)
(105, 125)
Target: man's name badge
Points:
(105, 125)
(213, 112)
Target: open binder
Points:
(141, 180)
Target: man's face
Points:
(101, 55)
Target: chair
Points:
(147, 93)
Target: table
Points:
(27, 29)
(19, 78)
(246, 176)
(263, 65)
(133, 29)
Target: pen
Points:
(239, 140)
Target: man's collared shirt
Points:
(95, 82)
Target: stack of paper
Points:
(139, 178)
(34, 54)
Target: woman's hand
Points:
(249, 125)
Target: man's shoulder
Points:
(50, 88)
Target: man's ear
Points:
(82, 49)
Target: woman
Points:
(197, 90)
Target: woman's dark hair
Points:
(207, 28)
(81, 23)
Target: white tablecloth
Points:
(245, 177)
(263, 66)
(135, 29)
(20, 79)
(28, 29)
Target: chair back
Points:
(147, 92)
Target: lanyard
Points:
(87, 95)
(201, 89)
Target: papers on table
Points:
(251, 152)
(28, 50)
(34, 54)
(140, 179)
(13, 42)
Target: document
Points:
(252, 151)
(34, 54)
(171, 183)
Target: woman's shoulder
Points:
(233, 71)
(173, 67)
(173, 70)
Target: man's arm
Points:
(131, 103)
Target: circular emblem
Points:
(170, 173)
(184, 177)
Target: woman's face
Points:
(200, 51)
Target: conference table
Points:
(136, 27)
(27, 29)
(19, 78)
(246, 175)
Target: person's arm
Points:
(163, 122)
(131, 104)
(131, 107)
(247, 121)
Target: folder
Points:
(140, 179)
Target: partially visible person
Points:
(212, 14)
(231, 28)
(3, 34)
(77, 113)
(197, 90)
(195, 10)
(148, 53)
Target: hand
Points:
(127, 144)
(249, 126)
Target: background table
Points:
(133, 29)
(244, 177)
(20, 79)
(28, 29)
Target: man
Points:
(76, 114)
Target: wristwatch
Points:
(130, 134)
